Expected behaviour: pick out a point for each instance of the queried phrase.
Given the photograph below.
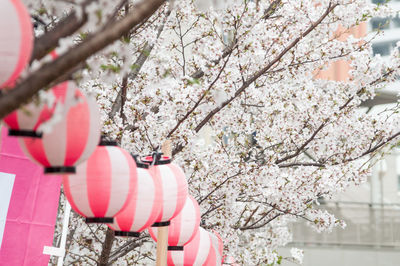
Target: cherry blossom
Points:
(236, 87)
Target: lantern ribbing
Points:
(72, 139)
(144, 206)
(174, 187)
(183, 227)
(195, 252)
(103, 185)
(26, 121)
(17, 41)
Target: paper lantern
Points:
(183, 227)
(212, 258)
(216, 254)
(16, 41)
(72, 140)
(174, 187)
(103, 185)
(25, 121)
(195, 253)
(144, 206)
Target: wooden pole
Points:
(162, 232)
(162, 246)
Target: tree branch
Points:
(64, 28)
(199, 101)
(117, 105)
(217, 187)
(302, 146)
(93, 44)
(301, 164)
(266, 68)
(261, 225)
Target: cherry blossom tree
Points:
(236, 90)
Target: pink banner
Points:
(28, 207)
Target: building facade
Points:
(371, 210)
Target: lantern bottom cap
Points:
(175, 248)
(95, 220)
(24, 133)
(106, 142)
(157, 158)
(124, 233)
(161, 224)
(60, 170)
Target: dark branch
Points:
(266, 68)
(51, 71)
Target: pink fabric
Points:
(144, 206)
(103, 184)
(32, 211)
(183, 227)
(25, 42)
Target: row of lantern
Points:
(103, 182)
(158, 197)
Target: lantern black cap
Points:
(60, 170)
(161, 224)
(175, 248)
(123, 233)
(97, 220)
(157, 159)
(24, 133)
(139, 163)
(106, 141)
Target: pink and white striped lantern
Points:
(144, 206)
(174, 187)
(16, 41)
(72, 139)
(195, 253)
(103, 185)
(183, 227)
(212, 258)
(215, 258)
(25, 121)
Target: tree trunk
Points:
(106, 250)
